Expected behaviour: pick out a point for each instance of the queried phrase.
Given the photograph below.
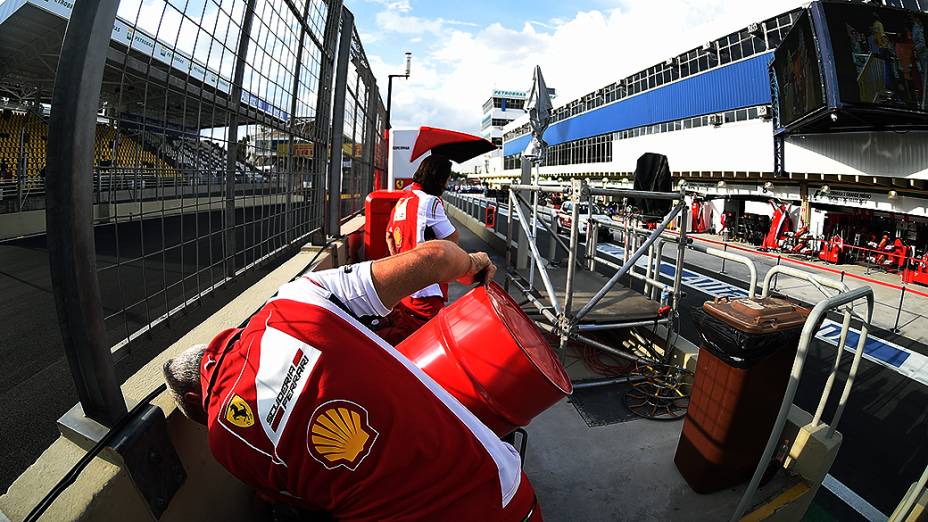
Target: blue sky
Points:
(464, 49)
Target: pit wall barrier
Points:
(841, 273)
(104, 491)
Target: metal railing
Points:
(844, 300)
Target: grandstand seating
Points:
(114, 149)
(200, 157)
(12, 126)
(108, 150)
(150, 154)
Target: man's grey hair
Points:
(182, 375)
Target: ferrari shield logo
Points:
(239, 413)
(339, 434)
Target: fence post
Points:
(322, 136)
(69, 209)
(895, 329)
(333, 223)
(776, 277)
(235, 99)
(294, 89)
(724, 249)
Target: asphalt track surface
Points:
(35, 382)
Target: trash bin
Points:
(745, 358)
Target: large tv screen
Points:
(880, 55)
(798, 73)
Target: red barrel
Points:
(486, 352)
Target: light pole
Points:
(390, 86)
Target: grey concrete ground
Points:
(884, 425)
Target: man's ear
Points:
(193, 403)
(194, 398)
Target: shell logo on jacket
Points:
(340, 435)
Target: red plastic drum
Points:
(486, 352)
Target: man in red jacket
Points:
(311, 408)
(417, 217)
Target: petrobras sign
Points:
(509, 94)
(133, 38)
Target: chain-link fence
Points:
(211, 145)
(156, 157)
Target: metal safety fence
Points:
(187, 144)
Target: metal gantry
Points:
(560, 314)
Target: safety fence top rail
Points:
(542, 188)
(630, 193)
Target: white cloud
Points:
(401, 5)
(456, 74)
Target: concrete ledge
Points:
(104, 491)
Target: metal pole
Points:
(534, 238)
(389, 99)
(288, 214)
(724, 249)
(659, 249)
(323, 114)
(333, 224)
(21, 167)
(547, 227)
(536, 257)
(576, 197)
(69, 209)
(607, 382)
(509, 220)
(776, 280)
(899, 310)
(235, 100)
(522, 252)
(678, 272)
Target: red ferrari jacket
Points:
(308, 406)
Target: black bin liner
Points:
(653, 174)
(741, 349)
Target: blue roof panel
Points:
(741, 84)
